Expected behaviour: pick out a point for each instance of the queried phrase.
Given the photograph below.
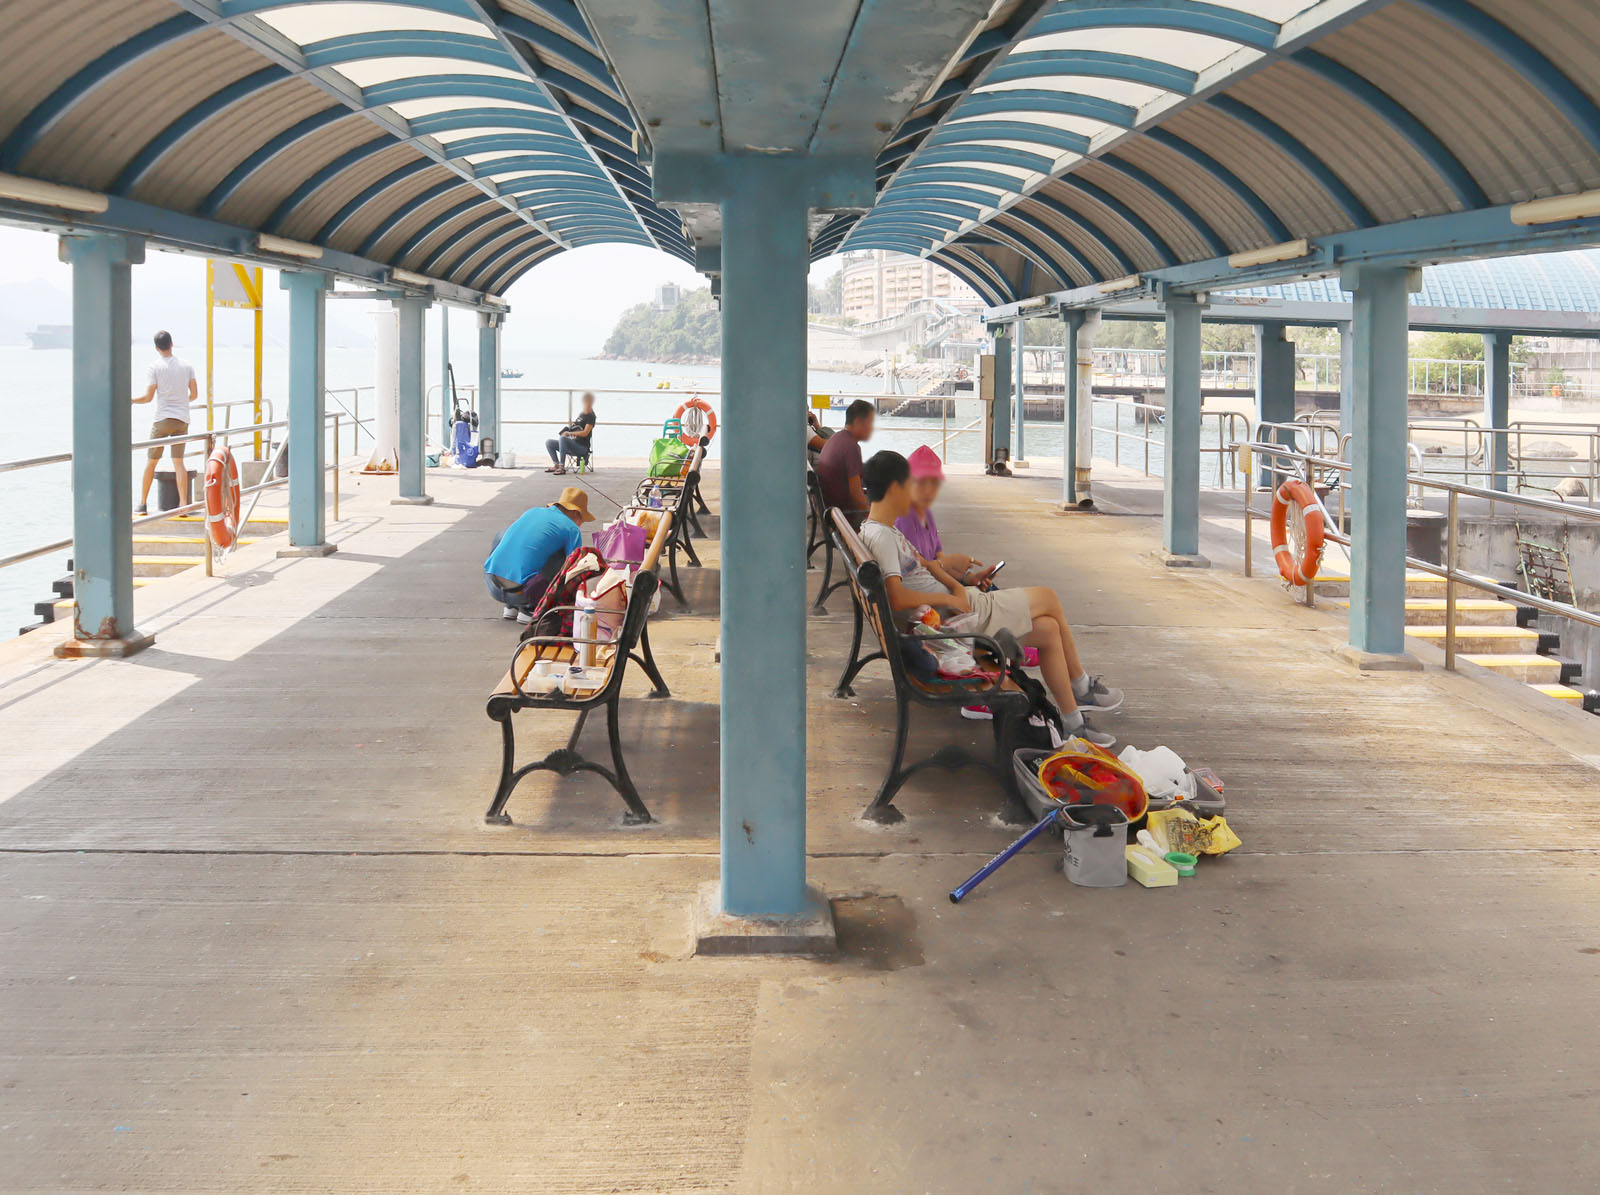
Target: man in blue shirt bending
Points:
(530, 552)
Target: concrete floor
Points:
(255, 936)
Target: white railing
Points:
(1133, 424)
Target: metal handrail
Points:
(1450, 570)
(1230, 425)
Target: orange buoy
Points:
(1297, 514)
(695, 426)
(222, 497)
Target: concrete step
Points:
(1470, 612)
(62, 607)
(163, 566)
(177, 544)
(1560, 693)
(1533, 670)
(262, 523)
(1499, 640)
(1420, 585)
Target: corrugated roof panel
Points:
(1171, 227)
(454, 235)
(276, 181)
(1126, 237)
(418, 220)
(484, 250)
(311, 215)
(1357, 144)
(1234, 222)
(203, 159)
(1568, 34)
(1072, 232)
(1297, 198)
(99, 136)
(1514, 143)
(62, 37)
(381, 208)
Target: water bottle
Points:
(655, 497)
(583, 627)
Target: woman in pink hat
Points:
(918, 526)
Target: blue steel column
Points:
(1000, 409)
(413, 401)
(102, 435)
(307, 409)
(1346, 372)
(764, 265)
(489, 376)
(1378, 455)
(1274, 386)
(1019, 415)
(1071, 324)
(1497, 405)
(1181, 495)
(446, 408)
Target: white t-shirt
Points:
(171, 378)
(897, 558)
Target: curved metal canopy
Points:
(1063, 143)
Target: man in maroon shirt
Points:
(839, 464)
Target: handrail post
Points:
(1450, 584)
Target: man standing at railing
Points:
(172, 388)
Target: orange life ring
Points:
(1297, 496)
(222, 497)
(689, 437)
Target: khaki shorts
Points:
(162, 428)
(1000, 610)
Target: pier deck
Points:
(256, 936)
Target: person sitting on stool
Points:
(576, 439)
(527, 555)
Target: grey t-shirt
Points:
(897, 558)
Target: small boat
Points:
(508, 372)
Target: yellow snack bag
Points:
(1180, 830)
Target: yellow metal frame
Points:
(248, 279)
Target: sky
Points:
(567, 304)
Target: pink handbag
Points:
(622, 544)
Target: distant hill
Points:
(690, 331)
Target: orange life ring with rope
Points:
(1297, 515)
(691, 428)
(222, 497)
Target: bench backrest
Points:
(867, 587)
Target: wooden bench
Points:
(512, 695)
(694, 501)
(1008, 704)
(818, 537)
(678, 496)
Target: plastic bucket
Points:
(1095, 837)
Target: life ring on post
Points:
(704, 423)
(222, 497)
(1297, 515)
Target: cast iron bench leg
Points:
(637, 814)
(827, 576)
(497, 815)
(647, 661)
(881, 810)
(852, 665)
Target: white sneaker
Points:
(524, 617)
(508, 613)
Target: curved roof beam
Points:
(984, 268)
(241, 174)
(489, 87)
(407, 43)
(123, 56)
(1044, 100)
(1022, 66)
(517, 269)
(1540, 73)
(962, 131)
(987, 155)
(403, 213)
(1117, 208)
(559, 184)
(536, 154)
(1189, 16)
(450, 255)
(1025, 245)
(1027, 219)
(1433, 151)
(322, 177)
(148, 158)
(367, 194)
(420, 238)
(1092, 230)
(1276, 228)
(583, 59)
(1355, 211)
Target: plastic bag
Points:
(668, 456)
(623, 544)
(1182, 831)
(1163, 771)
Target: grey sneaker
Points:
(1101, 697)
(1098, 737)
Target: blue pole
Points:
(1379, 384)
(1274, 385)
(1497, 405)
(489, 376)
(307, 407)
(1000, 409)
(102, 435)
(446, 407)
(1072, 324)
(764, 265)
(1019, 416)
(1181, 494)
(413, 405)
